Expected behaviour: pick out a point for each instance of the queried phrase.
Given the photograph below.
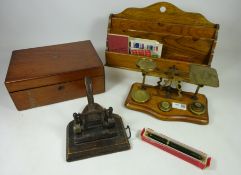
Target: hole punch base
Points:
(97, 147)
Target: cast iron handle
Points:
(89, 91)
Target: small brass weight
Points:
(167, 101)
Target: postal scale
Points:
(188, 40)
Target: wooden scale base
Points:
(158, 96)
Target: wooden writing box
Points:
(186, 37)
(45, 75)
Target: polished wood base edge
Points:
(157, 95)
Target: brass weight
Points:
(197, 108)
(165, 106)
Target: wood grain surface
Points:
(186, 36)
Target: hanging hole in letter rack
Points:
(163, 9)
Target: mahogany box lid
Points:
(36, 67)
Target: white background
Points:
(33, 141)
